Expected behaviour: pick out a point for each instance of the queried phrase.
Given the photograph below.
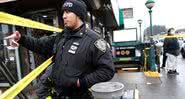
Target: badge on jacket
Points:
(73, 48)
(101, 45)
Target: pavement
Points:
(164, 87)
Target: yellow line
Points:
(136, 94)
(152, 74)
(19, 86)
(19, 21)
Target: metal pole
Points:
(150, 12)
(136, 35)
(18, 64)
(9, 76)
(140, 31)
(152, 50)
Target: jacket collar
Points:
(79, 32)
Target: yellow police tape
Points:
(19, 21)
(19, 86)
(49, 97)
(177, 35)
(167, 36)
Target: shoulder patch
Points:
(101, 45)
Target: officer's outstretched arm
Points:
(42, 45)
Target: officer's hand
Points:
(14, 38)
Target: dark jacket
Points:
(79, 54)
(171, 45)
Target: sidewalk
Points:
(164, 87)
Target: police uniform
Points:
(82, 55)
(79, 54)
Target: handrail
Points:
(19, 86)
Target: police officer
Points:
(82, 58)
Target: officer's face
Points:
(70, 19)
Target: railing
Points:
(6, 18)
(20, 85)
